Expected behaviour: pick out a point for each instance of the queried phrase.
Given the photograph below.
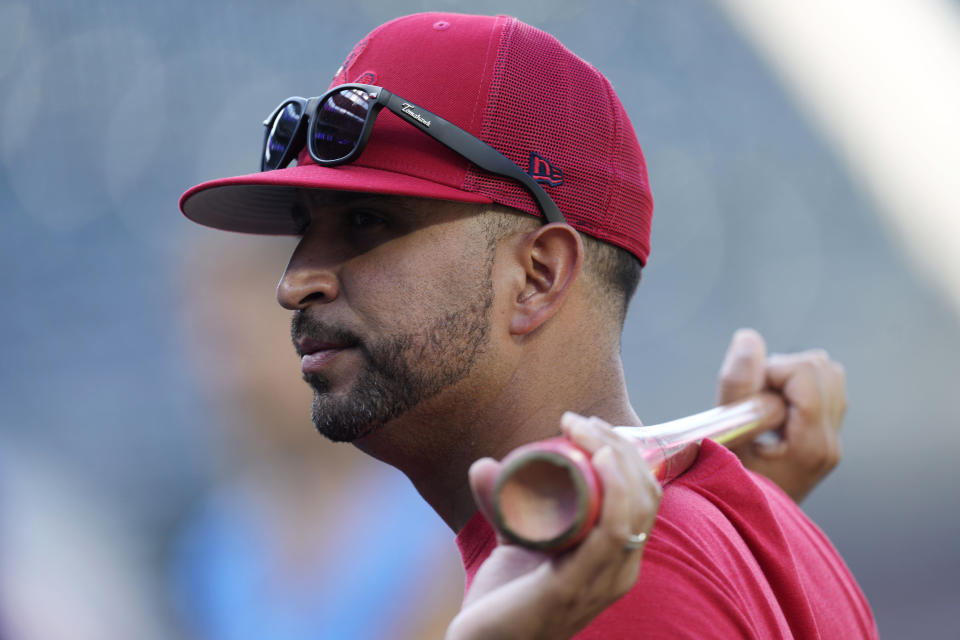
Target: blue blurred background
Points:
(148, 392)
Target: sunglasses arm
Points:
(477, 151)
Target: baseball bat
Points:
(547, 495)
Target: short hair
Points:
(615, 270)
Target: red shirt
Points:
(730, 556)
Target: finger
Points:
(742, 371)
(587, 433)
(483, 474)
(602, 549)
(838, 382)
(505, 564)
(632, 505)
(780, 366)
(800, 378)
(617, 520)
(628, 509)
(597, 436)
(814, 387)
(626, 477)
(593, 434)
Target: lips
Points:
(316, 354)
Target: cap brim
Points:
(263, 203)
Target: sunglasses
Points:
(337, 125)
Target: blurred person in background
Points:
(71, 566)
(270, 551)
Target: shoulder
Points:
(699, 577)
(732, 556)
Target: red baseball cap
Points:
(513, 86)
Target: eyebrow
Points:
(309, 198)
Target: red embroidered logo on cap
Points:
(543, 172)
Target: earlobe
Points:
(551, 257)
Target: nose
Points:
(307, 281)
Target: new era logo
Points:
(543, 172)
(367, 77)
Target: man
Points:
(459, 289)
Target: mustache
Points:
(303, 326)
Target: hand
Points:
(813, 386)
(524, 594)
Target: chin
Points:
(342, 424)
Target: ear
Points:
(551, 257)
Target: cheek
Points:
(405, 283)
(395, 293)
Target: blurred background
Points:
(159, 476)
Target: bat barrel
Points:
(548, 496)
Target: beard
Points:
(399, 371)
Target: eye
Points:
(363, 219)
(301, 218)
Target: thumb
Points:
(483, 475)
(744, 367)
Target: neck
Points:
(435, 447)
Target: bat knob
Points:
(547, 495)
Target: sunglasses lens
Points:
(281, 135)
(340, 122)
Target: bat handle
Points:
(548, 495)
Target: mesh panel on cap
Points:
(544, 99)
(631, 207)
